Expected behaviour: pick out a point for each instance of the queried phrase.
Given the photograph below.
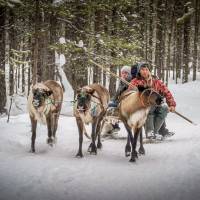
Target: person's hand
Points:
(171, 109)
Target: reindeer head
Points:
(40, 93)
(149, 96)
(84, 98)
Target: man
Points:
(157, 114)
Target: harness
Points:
(92, 106)
(48, 102)
(148, 100)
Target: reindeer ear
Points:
(49, 92)
(78, 90)
(90, 90)
(141, 88)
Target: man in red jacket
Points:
(157, 114)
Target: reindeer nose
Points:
(81, 108)
(159, 101)
(36, 103)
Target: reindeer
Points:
(44, 105)
(91, 105)
(134, 107)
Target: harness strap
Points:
(125, 94)
(141, 100)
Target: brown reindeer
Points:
(44, 105)
(91, 105)
(134, 108)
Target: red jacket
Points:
(157, 85)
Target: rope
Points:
(113, 74)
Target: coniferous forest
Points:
(164, 33)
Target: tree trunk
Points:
(196, 24)
(112, 85)
(154, 28)
(159, 45)
(2, 61)
(35, 45)
(186, 48)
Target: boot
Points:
(164, 131)
(116, 127)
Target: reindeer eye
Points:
(87, 96)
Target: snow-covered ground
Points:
(169, 170)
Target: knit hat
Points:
(126, 69)
(140, 65)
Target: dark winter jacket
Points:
(123, 86)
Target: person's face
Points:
(144, 72)
(124, 74)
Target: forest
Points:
(164, 33)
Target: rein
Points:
(93, 109)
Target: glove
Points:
(171, 109)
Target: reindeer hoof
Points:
(55, 140)
(142, 151)
(127, 154)
(32, 151)
(127, 150)
(79, 155)
(99, 146)
(89, 148)
(50, 141)
(132, 160)
(93, 151)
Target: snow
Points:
(80, 44)
(169, 170)
(18, 105)
(68, 95)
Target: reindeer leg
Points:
(141, 149)
(49, 127)
(80, 130)
(33, 127)
(134, 143)
(92, 148)
(54, 126)
(98, 130)
(128, 146)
